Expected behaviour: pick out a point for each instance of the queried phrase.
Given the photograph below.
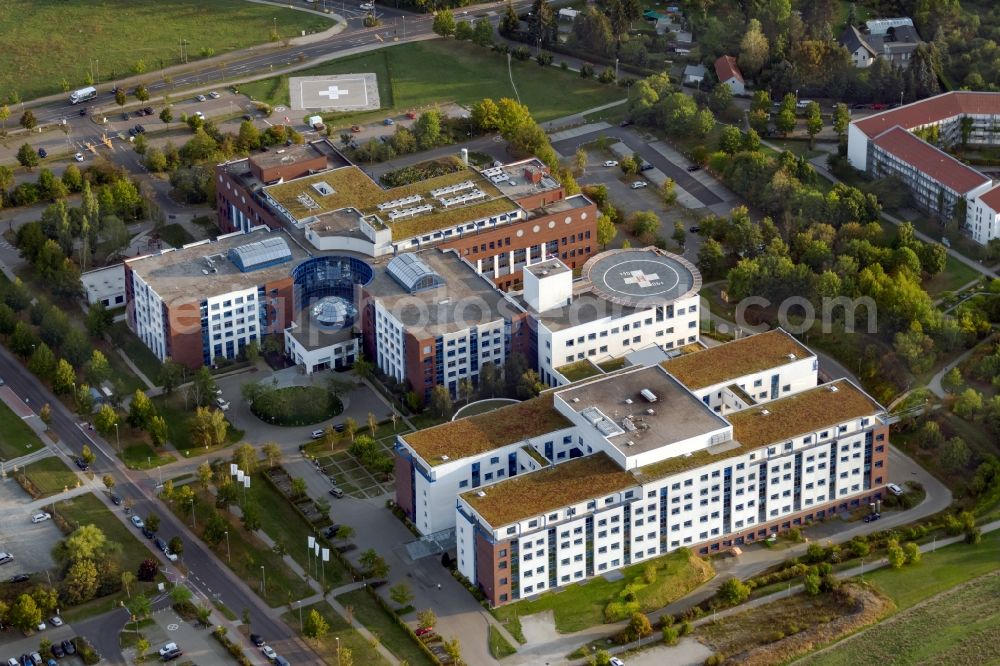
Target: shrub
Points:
(685, 629)
(670, 635)
(734, 591)
(715, 660)
(649, 574)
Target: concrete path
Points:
(935, 383)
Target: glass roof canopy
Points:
(413, 273)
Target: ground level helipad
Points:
(334, 92)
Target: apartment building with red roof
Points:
(888, 144)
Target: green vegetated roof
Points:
(735, 359)
(485, 432)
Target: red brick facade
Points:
(489, 576)
(403, 473)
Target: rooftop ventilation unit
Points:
(480, 493)
(834, 389)
(323, 188)
(630, 443)
(575, 400)
(764, 412)
(791, 357)
(648, 395)
(445, 457)
(628, 401)
(628, 424)
(651, 411)
(204, 271)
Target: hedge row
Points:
(235, 650)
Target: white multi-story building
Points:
(625, 300)
(635, 464)
(892, 143)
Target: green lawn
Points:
(142, 456)
(419, 75)
(500, 647)
(283, 523)
(50, 476)
(580, 606)
(574, 372)
(140, 354)
(382, 624)
(296, 405)
(172, 409)
(939, 571)
(349, 639)
(58, 43)
(88, 510)
(958, 627)
(17, 438)
(955, 274)
(248, 554)
(176, 235)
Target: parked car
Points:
(148, 533)
(317, 434)
(388, 121)
(336, 492)
(68, 646)
(200, 98)
(894, 489)
(257, 639)
(639, 184)
(222, 403)
(625, 123)
(367, 6)
(411, 114)
(695, 229)
(140, 129)
(6, 558)
(78, 157)
(13, 662)
(214, 95)
(872, 517)
(148, 110)
(57, 651)
(247, 116)
(41, 626)
(355, 128)
(131, 131)
(339, 427)
(199, 114)
(610, 163)
(43, 153)
(116, 500)
(56, 621)
(83, 112)
(694, 167)
(40, 517)
(424, 630)
(268, 652)
(36, 658)
(331, 531)
(169, 647)
(170, 656)
(137, 521)
(615, 661)
(82, 464)
(26, 660)
(19, 578)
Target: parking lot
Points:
(30, 544)
(14, 644)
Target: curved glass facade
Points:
(329, 276)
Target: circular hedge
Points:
(296, 406)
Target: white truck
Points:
(82, 95)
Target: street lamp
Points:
(338, 650)
(229, 557)
(194, 524)
(300, 616)
(263, 584)
(117, 438)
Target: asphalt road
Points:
(640, 145)
(208, 575)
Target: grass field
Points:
(378, 621)
(49, 42)
(961, 626)
(143, 456)
(176, 235)
(500, 647)
(580, 606)
(88, 510)
(16, 438)
(247, 555)
(50, 476)
(341, 635)
(140, 354)
(413, 76)
(955, 275)
(939, 571)
(171, 408)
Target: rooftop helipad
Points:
(645, 276)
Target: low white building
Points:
(324, 336)
(625, 300)
(105, 285)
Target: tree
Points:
(401, 594)
(894, 553)
(912, 552)
(639, 626)
(245, 457)
(106, 420)
(28, 120)
(87, 455)
(645, 225)
(952, 382)
(721, 98)
(251, 517)
(841, 120)
(680, 235)
(176, 545)
(63, 378)
(426, 619)
(24, 613)
(166, 115)
(315, 626)
(142, 646)
(606, 232)
(754, 49)
(27, 157)
(109, 481)
(529, 385)
(157, 429)
(734, 591)
(453, 649)
(785, 122)
(463, 31)
(814, 122)
(427, 129)
(482, 33)
(80, 584)
(141, 92)
(120, 96)
(730, 140)
(345, 532)
(444, 23)
(248, 138)
(955, 455)
(141, 410)
(208, 427)
(4, 116)
(272, 454)
(441, 401)
(968, 404)
(215, 529)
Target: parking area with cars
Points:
(25, 534)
